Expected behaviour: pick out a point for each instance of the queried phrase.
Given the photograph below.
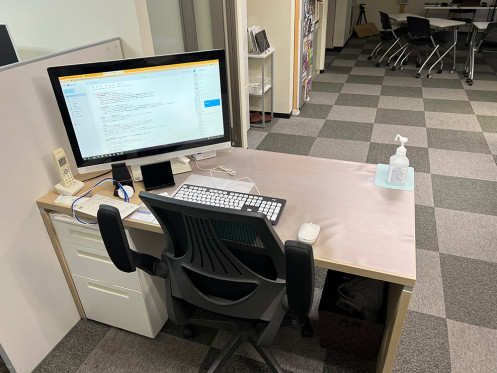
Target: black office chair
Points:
(388, 35)
(228, 263)
(488, 43)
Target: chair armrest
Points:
(299, 263)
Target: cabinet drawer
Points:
(114, 305)
(96, 264)
(79, 235)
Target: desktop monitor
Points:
(8, 52)
(143, 110)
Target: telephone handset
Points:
(68, 186)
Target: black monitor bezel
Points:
(56, 72)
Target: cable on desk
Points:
(94, 177)
(126, 198)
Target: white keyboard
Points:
(269, 206)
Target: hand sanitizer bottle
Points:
(397, 172)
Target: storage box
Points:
(340, 331)
(367, 29)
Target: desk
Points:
(365, 230)
(427, 8)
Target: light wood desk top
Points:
(365, 230)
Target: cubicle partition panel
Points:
(36, 303)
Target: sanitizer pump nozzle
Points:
(399, 163)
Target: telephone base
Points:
(70, 191)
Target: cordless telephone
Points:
(68, 186)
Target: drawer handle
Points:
(92, 256)
(108, 290)
(86, 236)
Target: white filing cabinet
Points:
(131, 301)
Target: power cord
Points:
(126, 198)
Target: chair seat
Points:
(487, 45)
(386, 36)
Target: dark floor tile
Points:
(345, 56)
(448, 106)
(442, 83)
(464, 141)
(317, 111)
(360, 63)
(338, 362)
(364, 79)
(346, 99)
(487, 96)
(74, 348)
(327, 87)
(391, 90)
(235, 363)
(346, 130)
(291, 144)
(424, 345)
(462, 194)
(381, 153)
(426, 228)
(405, 73)
(487, 123)
(338, 70)
(469, 290)
(485, 76)
(400, 117)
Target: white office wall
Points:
(373, 7)
(277, 17)
(36, 307)
(165, 24)
(44, 27)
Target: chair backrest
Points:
(491, 32)
(418, 27)
(385, 21)
(228, 262)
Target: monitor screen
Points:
(8, 52)
(143, 110)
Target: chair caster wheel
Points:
(417, 75)
(370, 58)
(187, 331)
(307, 331)
(439, 71)
(428, 76)
(451, 72)
(377, 64)
(470, 82)
(401, 67)
(393, 68)
(466, 75)
(388, 64)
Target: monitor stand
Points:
(179, 165)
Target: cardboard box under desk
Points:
(340, 331)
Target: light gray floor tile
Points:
(365, 79)
(463, 141)
(445, 93)
(345, 150)
(267, 125)
(461, 122)
(404, 103)
(385, 133)
(487, 96)
(485, 108)
(492, 141)
(400, 117)
(361, 101)
(448, 106)
(422, 189)
(483, 85)
(362, 89)
(442, 83)
(369, 71)
(323, 98)
(346, 130)
(426, 229)
(317, 111)
(472, 348)
(488, 123)
(283, 143)
(467, 234)
(330, 78)
(254, 138)
(424, 345)
(469, 290)
(381, 153)
(463, 164)
(463, 194)
(352, 114)
(427, 294)
(396, 91)
(297, 125)
(349, 63)
(401, 81)
(326, 87)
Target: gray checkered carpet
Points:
(354, 113)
